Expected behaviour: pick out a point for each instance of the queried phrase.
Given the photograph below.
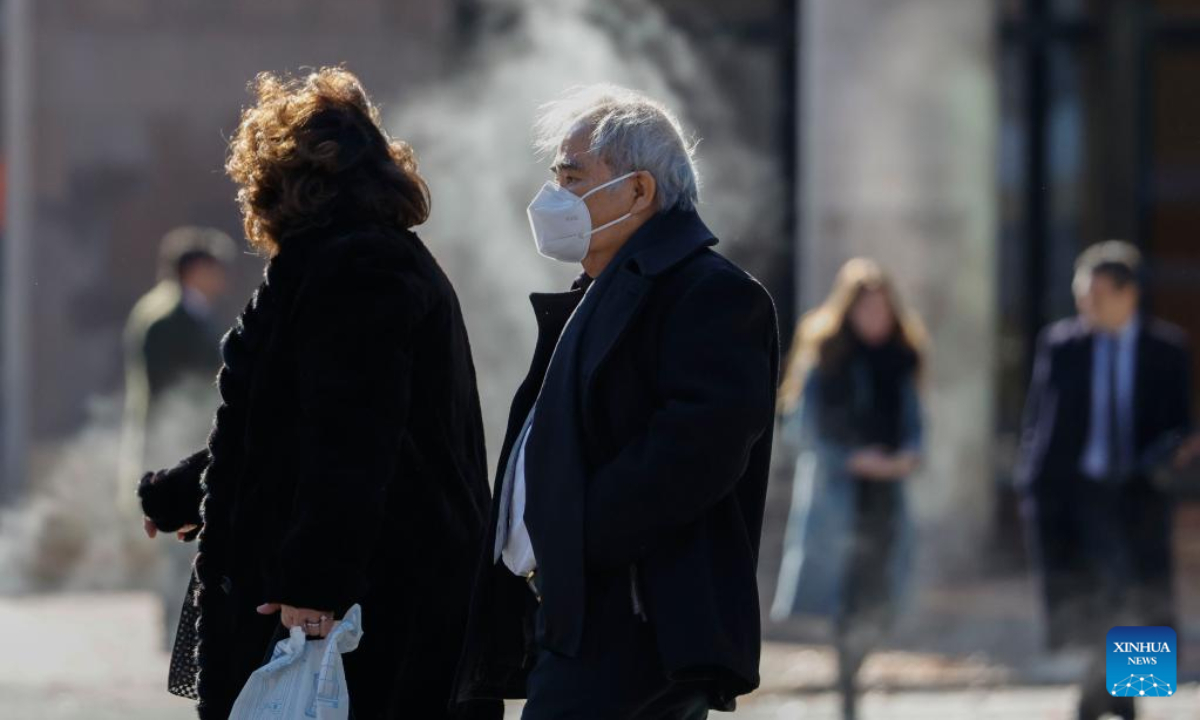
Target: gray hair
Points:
(629, 132)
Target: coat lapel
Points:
(659, 245)
(1142, 379)
(1086, 365)
(551, 310)
(622, 300)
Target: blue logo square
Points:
(1141, 661)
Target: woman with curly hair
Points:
(346, 461)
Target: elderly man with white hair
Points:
(618, 580)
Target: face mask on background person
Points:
(561, 223)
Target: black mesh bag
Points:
(184, 666)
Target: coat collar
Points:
(660, 244)
(664, 241)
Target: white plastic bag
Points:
(304, 678)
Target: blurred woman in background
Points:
(851, 412)
(346, 462)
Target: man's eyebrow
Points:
(565, 164)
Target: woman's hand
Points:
(1187, 453)
(871, 464)
(314, 623)
(876, 464)
(152, 529)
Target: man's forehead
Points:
(575, 151)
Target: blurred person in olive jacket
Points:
(172, 354)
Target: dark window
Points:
(1098, 140)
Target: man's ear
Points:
(645, 192)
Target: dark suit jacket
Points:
(676, 388)
(1060, 396)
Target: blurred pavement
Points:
(97, 657)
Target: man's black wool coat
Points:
(676, 378)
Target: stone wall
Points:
(897, 149)
(134, 100)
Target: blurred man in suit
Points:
(171, 360)
(1108, 405)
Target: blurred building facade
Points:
(131, 102)
(128, 104)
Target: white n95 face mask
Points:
(561, 223)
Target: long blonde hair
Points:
(823, 337)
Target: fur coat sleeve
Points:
(171, 498)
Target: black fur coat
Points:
(346, 465)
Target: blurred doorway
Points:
(1098, 140)
(1171, 212)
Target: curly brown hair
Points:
(311, 153)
